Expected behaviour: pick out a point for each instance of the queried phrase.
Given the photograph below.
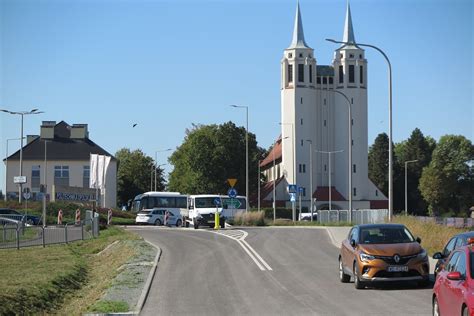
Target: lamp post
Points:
(274, 179)
(246, 153)
(349, 149)
(45, 186)
(311, 175)
(329, 155)
(294, 164)
(390, 147)
(406, 184)
(156, 167)
(258, 178)
(6, 166)
(21, 113)
(156, 171)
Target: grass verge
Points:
(63, 279)
(433, 236)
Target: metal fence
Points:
(358, 216)
(17, 234)
(458, 222)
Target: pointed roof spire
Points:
(298, 34)
(348, 30)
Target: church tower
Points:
(350, 72)
(298, 101)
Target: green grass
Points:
(36, 280)
(109, 307)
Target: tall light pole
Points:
(329, 155)
(390, 147)
(349, 149)
(45, 186)
(274, 179)
(21, 113)
(294, 164)
(311, 175)
(246, 153)
(6, 166)
(258, 178)
(406, 185)
(156, 162)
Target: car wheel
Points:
(435, 307)
(222, 223)
(178, 223)
(187, 224)
(424, 283)
(357, 282)
(196, 224)
(344, 278)
(157, 222)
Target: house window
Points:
(351, 74)
(301, 100)
(303, 192)
(376, 193)
(61, 175)
(311, 73)
(300, 73)
(318, 80)
(290, 73)
(86, 173)
(331, 80)
(355, 192)
(361, 69)
(354, 169)
(35, 178)
(301, 121)
(325, 80)
(341, 74)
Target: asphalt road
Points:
(203, 273)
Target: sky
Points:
(166, 65)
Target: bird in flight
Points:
(134, 125)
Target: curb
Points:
(151, 275)
(333, 240)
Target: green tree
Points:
(447, 182)
(211, 154)
(417, 147)
(134, 174)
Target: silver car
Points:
(157, 217)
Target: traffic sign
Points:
(232, 182)
(293, 197)
(217, 201)
(300, 190)
(19, 179)
(27, 195)
(232, 193)
(234, 203)
(292, 188)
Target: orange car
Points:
(380, 253)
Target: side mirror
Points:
(455, 276)
(353, 243)
(438, 256)
(418, 240)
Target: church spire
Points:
(348, 30)
(298, 34)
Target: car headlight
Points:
(365, 257)
(422, 255)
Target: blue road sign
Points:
(292, 188)
(232, 193)
(217, 201)
(293, 197)
(300, 190)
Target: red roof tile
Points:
(277, 151)
(322, 194)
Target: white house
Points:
(64, 152)
(315, 117)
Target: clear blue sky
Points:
(168, 64)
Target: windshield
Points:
(207, 202)
(385, 235)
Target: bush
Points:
(280, 213)
(250, 219)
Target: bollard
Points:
(65, 233)
(44, 238)
(78, 216)
(216, 220)
(109, 217)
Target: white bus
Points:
(202, 209)
(175, 202)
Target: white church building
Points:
(315, 125)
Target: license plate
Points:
(397, 269)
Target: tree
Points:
(447, 182)
(211, 154)
(134, 174)
(417, 147)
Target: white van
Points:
(203, 207)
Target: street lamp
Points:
(22, 113)
(390, 149)
(246, 153)
(274, 179)
(258, 178)
(6, 166)
(329, 156)
(406, 184)
(294, 164)
(349, 106)
(156, 167)
(45, 186)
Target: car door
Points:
(171, 218)
(347, 250)
(445, 290)
(455, 289)
(450, 246)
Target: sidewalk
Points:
(338, 234)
